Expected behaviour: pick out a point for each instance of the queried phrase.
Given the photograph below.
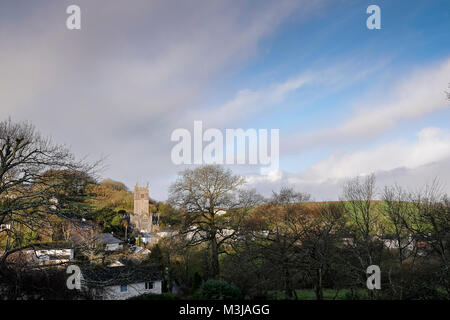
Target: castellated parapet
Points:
(141, 218)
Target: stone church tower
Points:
(141, 218)
(141, 200)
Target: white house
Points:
(54, 256)
(150, 238)
(126, 291)
(147, 238)
(52, 253)
(5, 226)
(110, 242)
(166, 232)
(122, 282)
(220, 211)
(140, 250)
(390, 241)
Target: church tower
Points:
(141, 200)
(141, 219)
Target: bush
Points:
(152, 296)
(219, 290)
(423, 291)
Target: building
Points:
(141, 200)
(147, 238)
(121, 282)
(141, 219)
(51, 253)
(5, 223)
(166, 232)
(109, 242)
(220, 211)
(140, 250)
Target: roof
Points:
(55, 245)
(121, 275)
(140, 250)
(107, 238)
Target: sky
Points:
(348, 101)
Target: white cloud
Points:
(432, 145)
(417, 94)
(409, 163)
(248, 102)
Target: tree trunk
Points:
(289, 291)
(319, 290)
(215, 272)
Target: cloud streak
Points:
(120, 85)
(416, 95)
(411, 164)
(249, 102)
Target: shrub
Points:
(219, 290)
(152, 296)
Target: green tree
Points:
(203, 195)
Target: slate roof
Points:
(55, 245)
(107, 238)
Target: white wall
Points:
(5, 226)
(55, 252)
(44, 255)
(113, 247)
(135, 289)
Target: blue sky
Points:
(354, 100)
(412, 36)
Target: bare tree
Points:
(289, 195)
(273, 234)
(29, 196)
(364, 217)
(359, 196)
(206, 195)
(431, 223)
(320, 248)
(398, 212)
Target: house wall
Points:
(391, 244)
(148, 239)
(5, 226)
(55, 252)
(135, 289)
(113, 246)
(54, 256)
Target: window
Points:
(123, 288)
(149, 285)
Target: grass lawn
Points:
(328, 294)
